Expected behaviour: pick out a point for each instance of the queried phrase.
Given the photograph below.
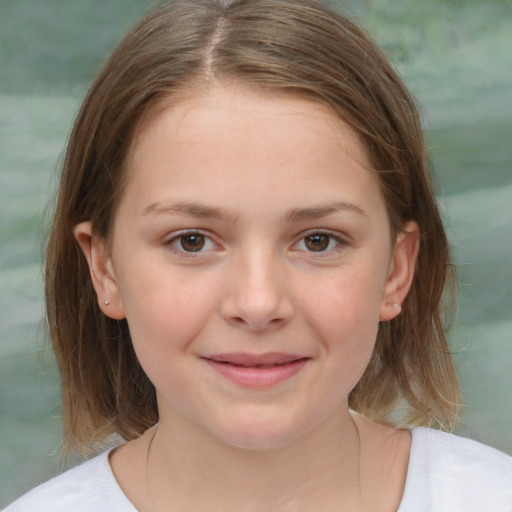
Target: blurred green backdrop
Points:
(456, 57)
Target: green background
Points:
(456, 58)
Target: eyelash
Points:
(173, 242)
(178, 238)
(340, 242)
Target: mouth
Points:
(256, 370)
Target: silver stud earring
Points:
(398, 306)
(107, 302)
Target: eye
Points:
(192, 242)
(319, 242)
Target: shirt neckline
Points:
(116, 495)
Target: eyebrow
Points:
(317, 212)
(201, 211)
(198, 211)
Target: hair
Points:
(300, 47)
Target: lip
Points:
(257, 370)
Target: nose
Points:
(257, 294)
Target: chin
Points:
(258, 434)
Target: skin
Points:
(252, 176)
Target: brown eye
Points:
(192, 243)
(318, 242)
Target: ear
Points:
(401, 271)
(101, 269)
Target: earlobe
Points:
(101, 270)
(401, 272)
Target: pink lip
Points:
(257, 371)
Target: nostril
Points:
(256, 325)
(256, 315)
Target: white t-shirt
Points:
(446, 474)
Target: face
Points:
(253, 260)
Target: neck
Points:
(198, 472)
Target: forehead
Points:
(224, 111)
(214, 141)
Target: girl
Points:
(244, 278)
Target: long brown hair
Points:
(297, 46)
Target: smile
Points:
(256, 371)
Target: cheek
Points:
(344, 315)
(344, 299)
(165, 310)
(164, 320)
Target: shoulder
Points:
(89, 486)
(468, 457)
(451, 473)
